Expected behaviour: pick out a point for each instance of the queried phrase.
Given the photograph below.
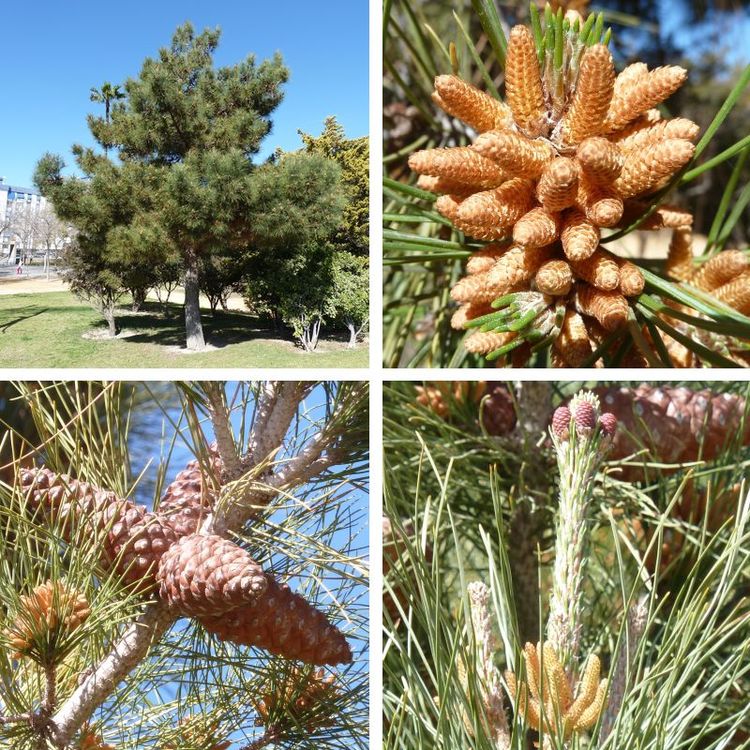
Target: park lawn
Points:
(46, 329)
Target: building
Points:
(19, 207)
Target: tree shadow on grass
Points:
(20, 318)
(161, 327)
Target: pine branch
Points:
(277, 406)
(126, 654)
(305, 466)
(220, 420)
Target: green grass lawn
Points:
(54, 329)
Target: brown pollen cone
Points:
(468, 103)
(91, 740)
(609, 308)
(574, 343)
(554, 277)
(205, 574)
(679, 264)
(736, 293)
(592, 97)
(462, 164)
(50, 607)
(523, 84)
(647, 90)
(298, 699)
(285, 624)
(485, 342)
(519, 155)
(719, 270)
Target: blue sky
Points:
(54, 52)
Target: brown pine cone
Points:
(204, 574)
(674, 424)
(693, 508)
(498, 410)
(50, 607)
(190, 497)
(135, 538)
(285, 624)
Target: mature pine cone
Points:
(498, 410)
(674, 424)
(190, 497)
(204, 574)
(285, 624)
(693, 508)
(135, 538)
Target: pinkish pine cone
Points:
(561, 422)
(608, 423)
(585, 418)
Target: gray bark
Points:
(193, 328)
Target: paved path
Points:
(12, 284)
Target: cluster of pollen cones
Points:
(547, 698)
(300, 698)
(50, 608)
(545, 173)
(198, 574)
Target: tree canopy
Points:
(353, 156)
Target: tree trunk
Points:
(315, 335)
(193, 329)
(109, 315)
(139, 297)
(352, 334)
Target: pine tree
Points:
(186, 186)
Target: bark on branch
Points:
(128, 652)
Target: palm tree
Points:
(107, 94)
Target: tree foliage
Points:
(353, 155)
(351, 293)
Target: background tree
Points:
(93, 281)
(306, 292)
(108, 257)
(51, 233)
(129, 671)
(351, 292)
(106, 95)
(221, 276)
(353, 156)
(298, 205)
